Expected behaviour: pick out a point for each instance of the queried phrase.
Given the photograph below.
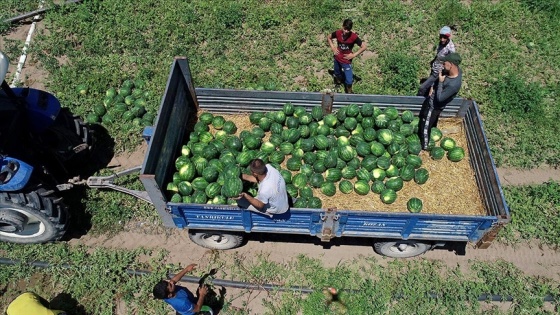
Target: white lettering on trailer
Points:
(374, 224)
(214, 217)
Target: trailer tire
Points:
(30, 218)
(401, 248)
(216, 239)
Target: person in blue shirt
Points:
(180, 298)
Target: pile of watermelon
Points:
(440, 146)
(357, 149)
(126, 103)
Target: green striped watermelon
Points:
(455, 154)
(388, 196)
(361, 187)
(345, 186)
(414, 205)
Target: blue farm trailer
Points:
(393, 234)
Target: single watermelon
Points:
(288, 109)
(455, 154)
(314, 203)
(333, 175)
(316, 180)
(299, 180)
(437, 153)
(435, 134)
(385, 136)
(379, 174)
(361, 187)
(447, 143)
(378, 186)
(328, 189)
(345, 186)
(394, 183)
(407, 116)
(388, 196)
(414, 205)
(213, 190)
(421, 176)
(233, 186)
(293, 164)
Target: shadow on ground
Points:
(64, 301)
(459, 248)
(101, 154)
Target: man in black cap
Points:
(443, 92)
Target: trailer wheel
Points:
(401, 248)
(216, 239)
(35, 217)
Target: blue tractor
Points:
(42, 148)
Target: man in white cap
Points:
(445, 47)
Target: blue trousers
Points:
(344, 70)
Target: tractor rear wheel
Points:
(34, 217)
(69, 137)
(76, 124)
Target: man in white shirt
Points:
(272, 197)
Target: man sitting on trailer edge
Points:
(272, 198)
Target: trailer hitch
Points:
(108, 182)
(330, 223)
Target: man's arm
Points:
(252, 200)
(331, 44)
(357, 53)
(444, 94)
(182, 273)
(249, 178)
(201, 294)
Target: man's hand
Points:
(349, 56)
(202, 291)
(183, 272)
(441, 76)
(332, 45)
(241, 195)
(190, 267)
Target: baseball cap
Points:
(454, 58)
(446, 30)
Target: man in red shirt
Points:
(343, 55)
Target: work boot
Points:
(348, 89)
(336, 80)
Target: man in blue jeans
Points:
(343, 55)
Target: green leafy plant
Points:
(400, 73)
(512, 95)
(535, 212)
